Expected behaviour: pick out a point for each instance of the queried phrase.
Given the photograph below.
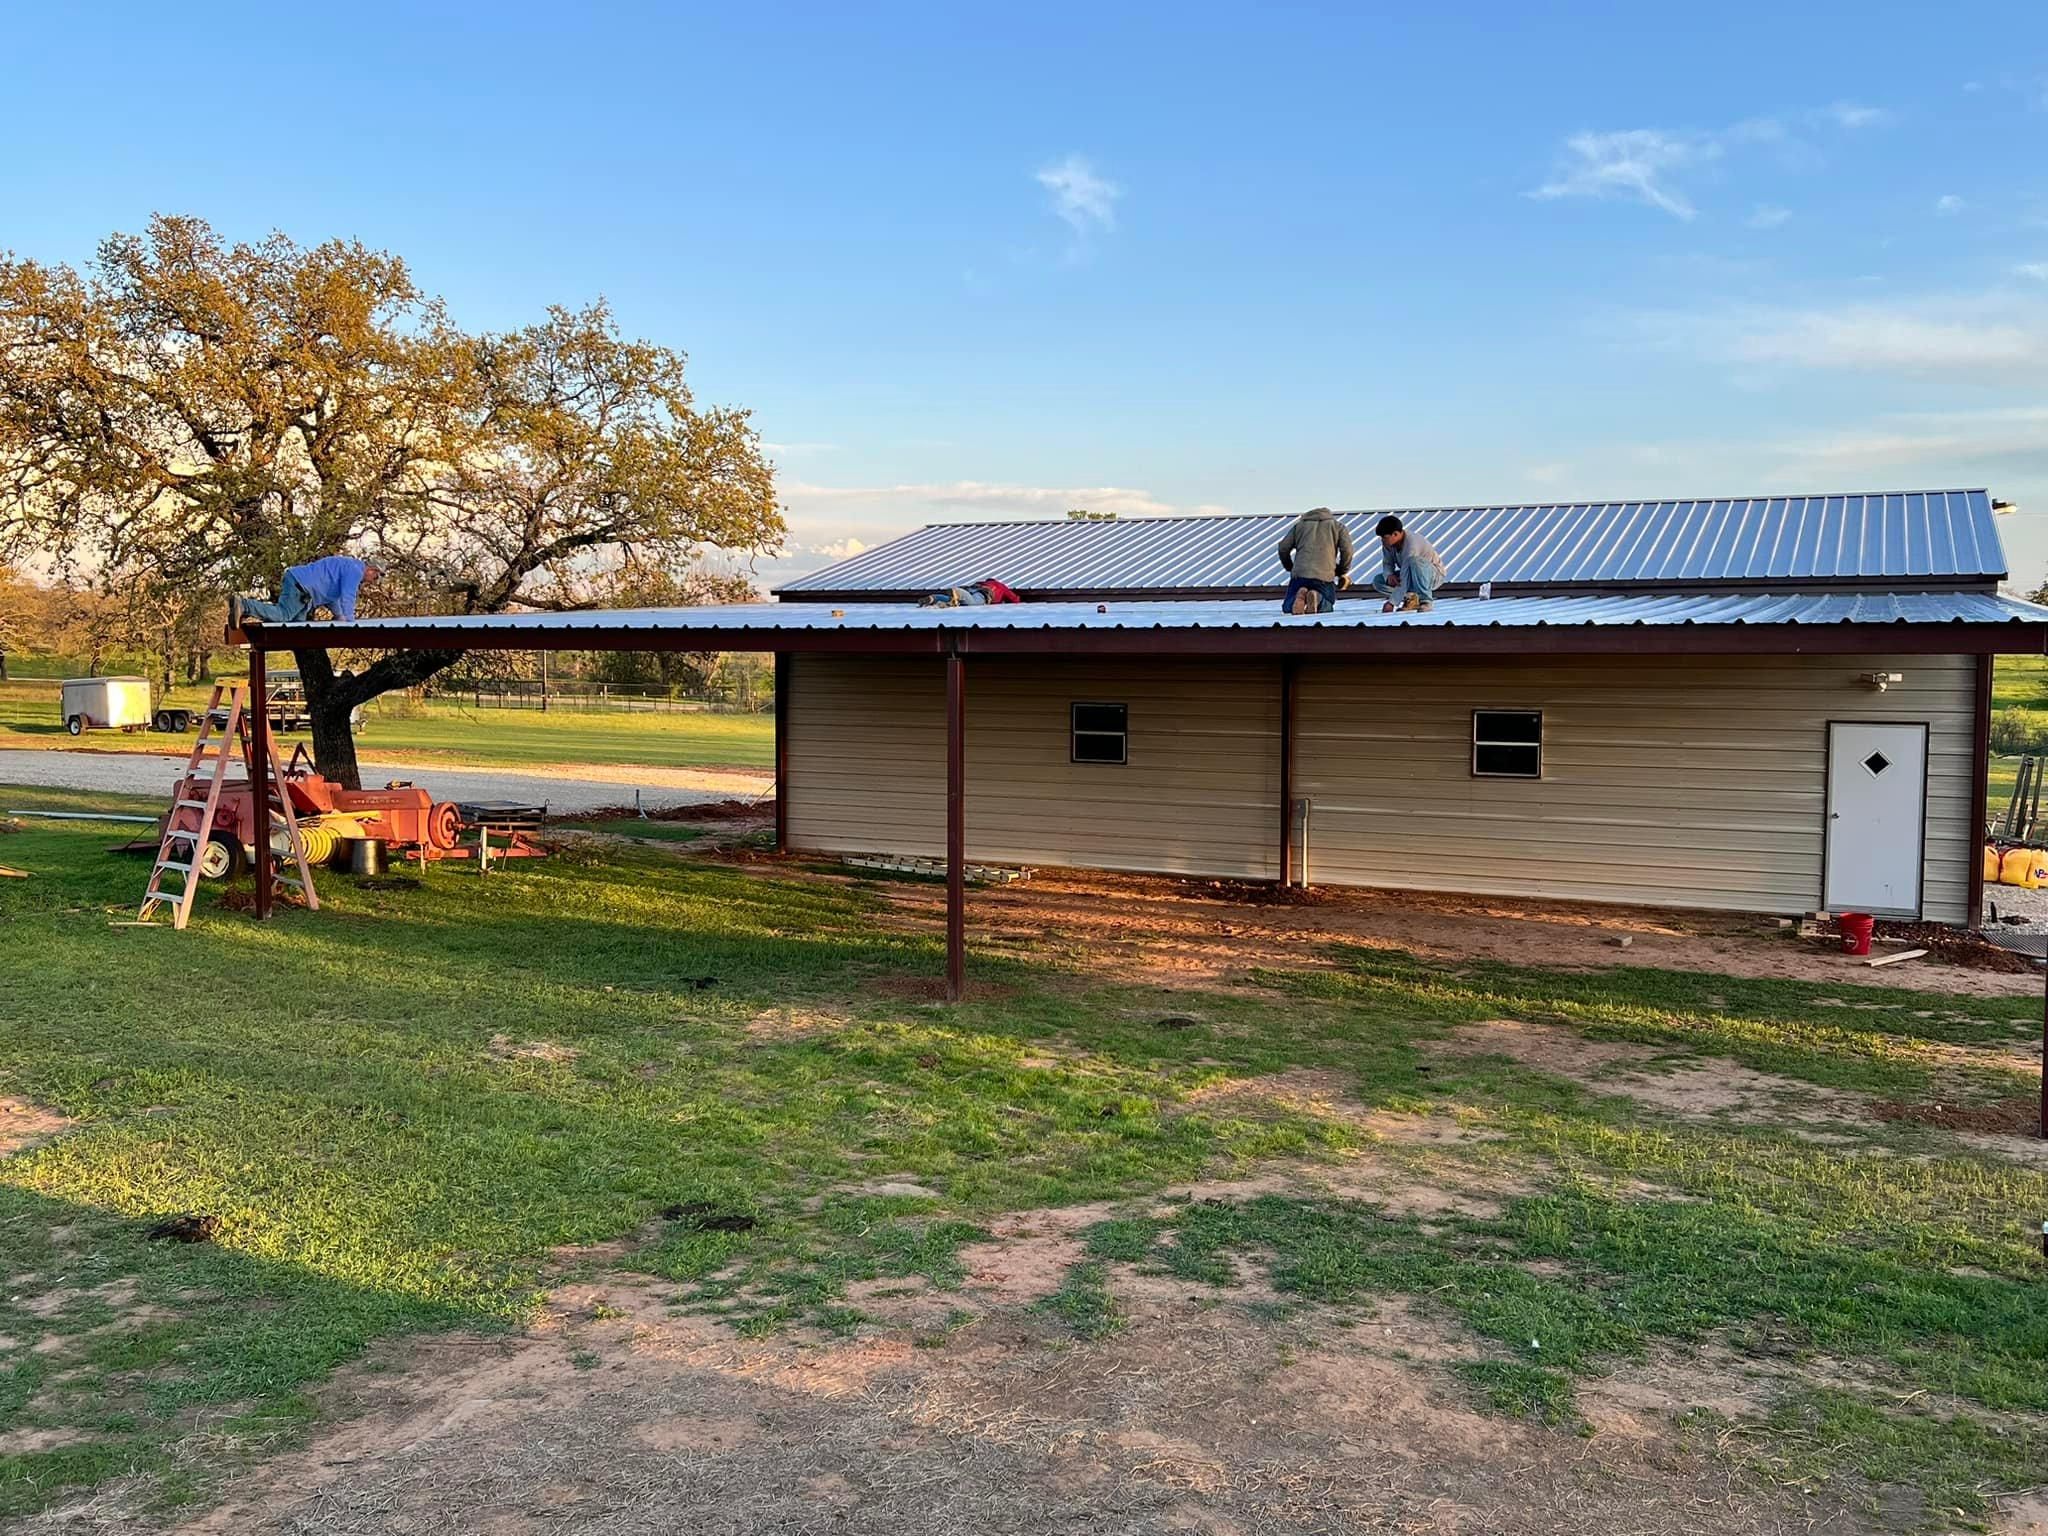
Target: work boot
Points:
(1412, 603)
(1426, 607)
(1387, 606)
(1305, 601)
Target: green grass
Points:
(648, 828)
(2020, 682)
(399, 1106)
(453, 733)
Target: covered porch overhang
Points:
(1750, 623)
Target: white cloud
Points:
(838, 549)
(1634, 164)
(796, 450)
(1545, 474)
(1767, 216)
(2037, 270)
(1948, 205)
(1982, 334)
(1085, 200)
(1971, 87)
(1643, 164)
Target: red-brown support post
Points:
(259, 777)
(1288, 690)
(782, 671)
(1980, 789)
(956, 827)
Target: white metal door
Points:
(1877, 804)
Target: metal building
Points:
(1763, 704)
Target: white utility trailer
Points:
(106, 704)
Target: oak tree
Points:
(200, 414)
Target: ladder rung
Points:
(166, 866)
(191, 805)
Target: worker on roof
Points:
(1317, 557)
(331, 583)
(1410, 568)
(977, 594)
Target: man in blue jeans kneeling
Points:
(331, 583)
(1317, 556)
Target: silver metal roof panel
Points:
(1901, 536)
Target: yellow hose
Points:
(319, 842)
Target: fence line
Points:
(599, 698)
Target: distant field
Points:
(455, 734)
(2019, 687)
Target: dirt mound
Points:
(2019, 1115)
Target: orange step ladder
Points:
(189, 849)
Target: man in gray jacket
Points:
(1317, 556)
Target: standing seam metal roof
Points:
(1901, 536)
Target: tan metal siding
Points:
(1670, 780)
(1679, 781)
(1199, 796)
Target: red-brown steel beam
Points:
(1288, 695)
(259, 778)
(782, 674)
(1980, 789)
(956, 827)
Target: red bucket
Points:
(1856, 927)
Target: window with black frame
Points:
(1101, 733)
(1507, 743)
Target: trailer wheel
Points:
(162, 722)
(181, 720)
(75, 724)
(222, 858)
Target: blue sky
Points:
(1174, 257)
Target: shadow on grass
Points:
(158, 1359)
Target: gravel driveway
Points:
(146, 774)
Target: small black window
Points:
(1507, 743)
(1101, 733)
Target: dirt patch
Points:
(24, 1442)
(1173, 1424)
(24, 1125)
(2024, 1515)
(932, 989)
(1029, 1253)
(118, 1294)
(1641, 1400)
(772, 1024)
(2019, 1115)
(1298, 1090)
(1956, 946)
(1692, 1087)
(506, 1049)
(1212, 933)
(704, 811)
